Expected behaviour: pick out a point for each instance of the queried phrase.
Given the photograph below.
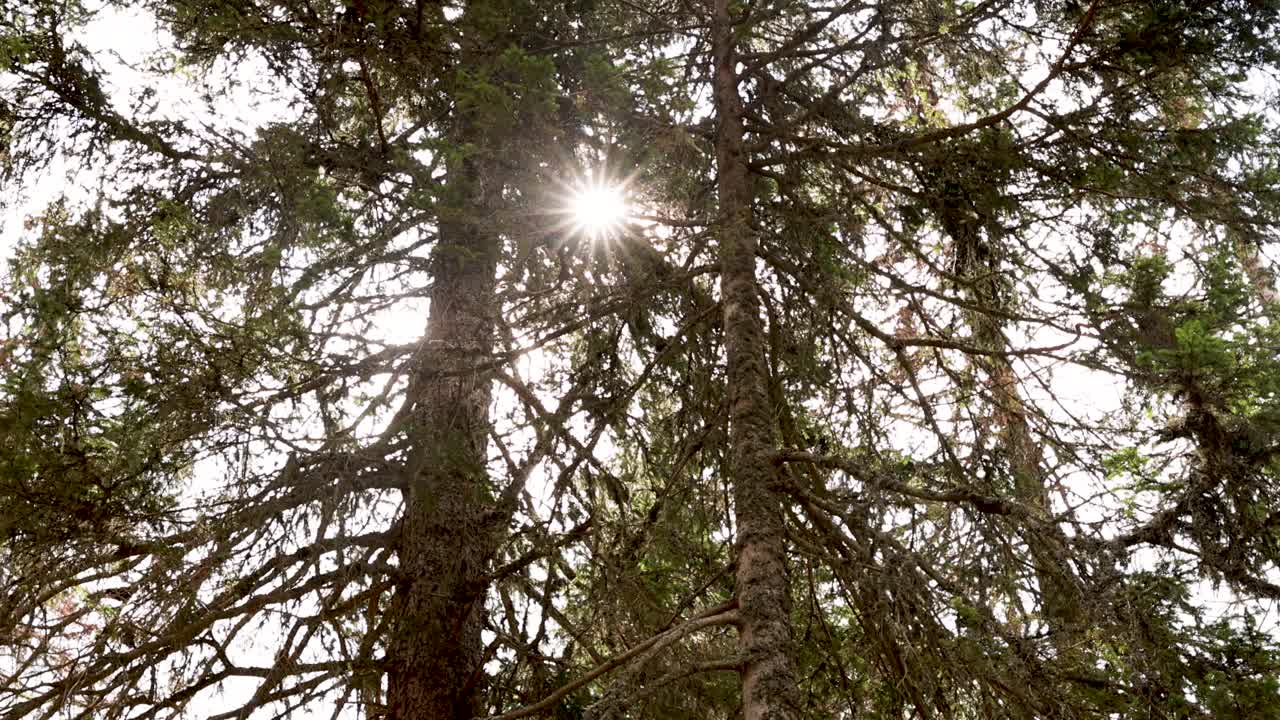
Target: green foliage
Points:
(1019, 342)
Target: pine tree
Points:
(219, 306)
(936, 377)
(963, 212)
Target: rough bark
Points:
(436, 656)
(769, 688)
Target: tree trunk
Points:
(769, 689)
(1060, 592)
(436, 654)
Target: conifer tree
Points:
(935, 374)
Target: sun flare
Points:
(598, 209)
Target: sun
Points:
(598, 209)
